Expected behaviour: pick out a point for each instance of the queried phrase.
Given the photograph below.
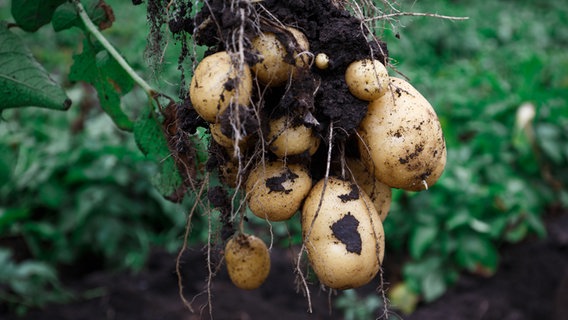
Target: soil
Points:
(531, 283)
(314, 97)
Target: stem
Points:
(95, 31)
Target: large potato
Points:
(344, 238)
(367, 79)
(248, 261)
(288, 140)
(273, 70)
(275, 191)
(402, 140)
(214, 85)
(380, 193)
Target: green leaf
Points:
(98, 68)
(23, 81)
(66, 17)
(152, 142)
(10, 216)
(433, 285)
(477, 254)
(421, 238)
(30, 15)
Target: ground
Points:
(531, 283)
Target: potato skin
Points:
(223, 140)
(380, 193)
(288, 140)
(402, 139)
(367, 79)
(210, 91)
(275, 191)
(273, 70)
(345, 242)
(248, 261)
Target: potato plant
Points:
(305, 117)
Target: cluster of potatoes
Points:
(400, 145)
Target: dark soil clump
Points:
(316, 97)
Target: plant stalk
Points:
(113, 52)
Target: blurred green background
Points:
(73, 187)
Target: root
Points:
(250, 18)
(306, 236)
(413, 14)
(184, 246)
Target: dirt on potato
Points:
(316, 97)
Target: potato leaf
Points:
(98, 68)
(422, 238)
(152, 142)
(23, 81)
(31, 15)
(66, 17)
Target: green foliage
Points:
(481, 75)
(84, 195)
(95, 66)
(34, 280)
(23, 81)
(73, 188)
(355, 307)
(30, 15)
(146, 133)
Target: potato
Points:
(248, 261)
(322, 61)
(287, 140)
(222, 139)
(380, 193)
(402, 140)
(273, 70)
(214, 85)
(367, 79)
(275, 191)
(344, 238)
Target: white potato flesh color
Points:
(344, 238)
(275, 191)
(402, 141)
(380, 193)
(286, 140)
(273, 70)
(367, 79)
(217, 82)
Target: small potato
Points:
(222, 139)
(273, 70)
(344, 238)
(248, 261)
(322, 61)
(402, 140)
(288, 140)
(367, 79)
(275, 191)
(214, 85)
(380, 193)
